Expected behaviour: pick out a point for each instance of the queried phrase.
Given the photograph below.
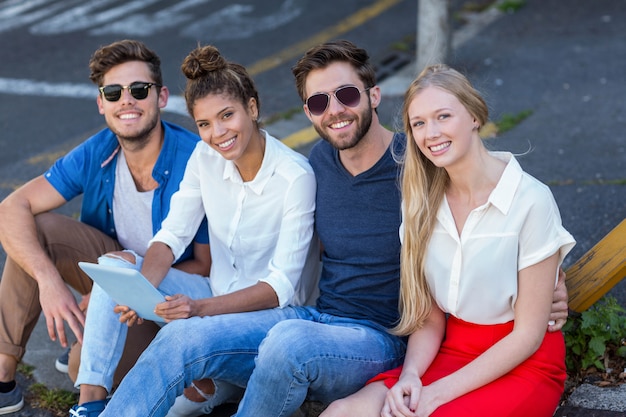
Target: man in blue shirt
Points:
(126, 174)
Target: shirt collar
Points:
(265, 172)
(502, 195)
(163, 167)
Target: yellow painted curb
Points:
(300, 138)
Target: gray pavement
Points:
(562, 60)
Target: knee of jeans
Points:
(175, 332)
(123, 258)
(286, 341)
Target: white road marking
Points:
(235, 21)
(239, 17)
(175, 104)
(47, 17)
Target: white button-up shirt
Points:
(259, 230)
(474, 276)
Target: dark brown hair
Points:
(325, 54)
(208, 72)
(106, 57)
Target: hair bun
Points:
(202, 61)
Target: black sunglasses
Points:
(349, 96)
(138, 90)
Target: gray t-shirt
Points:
(132, 210)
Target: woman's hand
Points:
(404, 397)
(127, 315)
(177, 306)
(429, 400)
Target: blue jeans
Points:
(104, 336)
(305, 351)
(323, 359)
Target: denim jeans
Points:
(305, 352)
(104, 336)
(322, 360)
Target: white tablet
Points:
(126, 287)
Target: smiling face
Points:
(340, 125)
(130, 119)
(226, 125)
(443, 129)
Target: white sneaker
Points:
(62, 362)
(184, 407)
(224, 392)
(11, 401)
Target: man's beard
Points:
(363, 126)
(139, 139)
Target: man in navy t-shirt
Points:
(357, 218)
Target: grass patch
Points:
(57, 401)
(407, 44)
(619, 181)
(286, 115)
(476, 6)
(511, 6)
(509, 121)
(506, 123)
(25, 369)
(595, 340)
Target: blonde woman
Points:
(482, 243)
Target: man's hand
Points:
(59, 306)
(84, 302)
(560, 310)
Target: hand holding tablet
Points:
(126, 286)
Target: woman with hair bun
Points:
(258, 196)
(259, 199)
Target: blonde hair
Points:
(423, 189)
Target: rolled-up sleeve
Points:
(294, 238)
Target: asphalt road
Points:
(47, 103)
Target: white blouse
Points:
(259, 230)
(474, 276)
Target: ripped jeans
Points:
(105, 336)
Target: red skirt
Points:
(532, 389)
